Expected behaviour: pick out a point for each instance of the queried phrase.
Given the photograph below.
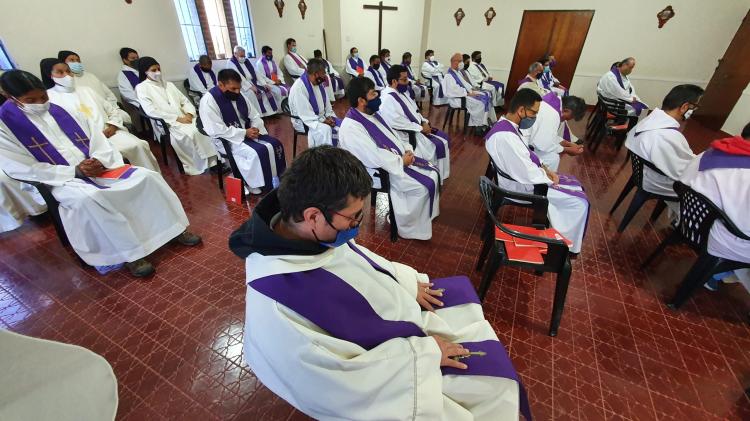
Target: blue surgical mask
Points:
(526, 123)
(294, 49)
(546, 69)
(76, 67)
(373, 105)
(402, 88)
(342, 237)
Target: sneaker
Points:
(188, 239)
(712, 284)
(140, 268)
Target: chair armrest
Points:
(518, 234)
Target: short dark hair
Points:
(289, 41)
(465, 57)
(229, 75)
(358, 88)
(322, 177)
(746, 132)
(384, 51)
(19, 82)
(318, 54)
(524, 98)
(428, 53)
(544, 60)
(373, 58)
(395, 72)
(204, 58)
(351, 50)
(125, 51)
(681, 94)
(405, 56)
(476, 54)
(264, 49)
(315, 65)
(576, 105)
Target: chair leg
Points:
(671, 239)
(561, 291)
(466, 122)
(699, 273)
(489, 271)
(221, 178)
(635, 205)
(658, 209)
(294, 144)
(623, 194)
(180, 167)
(486, 245)
(163, 144)
(392, 215)
(448, 116)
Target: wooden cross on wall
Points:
(379, 7)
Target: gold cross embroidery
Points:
(41, 146)
(85, 110)
(81, 140)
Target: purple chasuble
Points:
(385, 142)
(199, 72)
(376, 76)
(132, 78)
(439, 145)
(715, 159)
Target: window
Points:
(214, 27)
(6, 63)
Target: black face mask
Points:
(376, 66)
(478, 60)
(232, 96)
(538, 75)
(205, 69)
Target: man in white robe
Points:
(127, 78)
(521, 169)
(334, 84)
(201, 77)
(417, 90)
(550, 135)
(225, 113)
(63, 91)
(722, 174)
(657, 139)
(355, 66)
(415, 183)
(483, 78)
(102, 203)
(342, 333)
(89, 79)
(477, 103)
(615, 84)
(463, 71)
(161, 99)
(532, 81)
(309, 104)
(17, 201)
(270, 76)
(400, 112)
(375, 73)
(548, 80)
(294, 63)
(385, 62)
(434, 72)
(255, 89)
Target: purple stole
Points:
(254, 80)
(439, 145)
(546, 79)
(483, 96)
(384, 142)
(716, 159)
(412, 94)
(385, 65)
(638, 106)
(335, 82)
(554, 101)
(356, 63)
(132, 78)
(524, 80)
(311, 95)
(499, 86)
(348, 316)
(302, 64)
(199, 72)
(271, 72)
(376, 76)
(230, 118)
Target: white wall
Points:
(35, 29)
(272, 30)
(740, 115)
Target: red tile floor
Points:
(175, 340)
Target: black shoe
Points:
(140, 268)
(188, 239)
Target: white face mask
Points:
(387, 60)
(460, 66)
(687, 114)
(34, 109)
(431, 58)
(66, 82)
(155, 76)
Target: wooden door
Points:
(560, 32)
(730, 78)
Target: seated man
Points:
(17, 201)
(463, 70)
(201, 77)
(400, 112)
(417, 90)
(90, 80)
(532, 80)
(385, 62)
(722, 174)
(254, 88)
(309, 103)
(110, 217)
(415, 185)
(128, 76)
(477, 102)
(355, 67)
(270, 76)
(334, 85)
(549, 81)
(226, 114)
(615, 84)
(63, 91)
(482, 77)
(433, 71)
(161, 99)
(294, 63)
(520, 169)
(374, 73)
(657, 139)
(342, 333)
(550, 135)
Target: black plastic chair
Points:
(286, 111)
(53, 206)
(697, 215)
(412, 138)
(385, 187)
(556, 259)
(192, 94)
(229, 156)
(609, 118)
(457, 112)
(641, 195)
(165, 140)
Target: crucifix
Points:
(379, 7)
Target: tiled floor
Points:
(175, 340)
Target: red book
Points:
(115, 173)
(523, 254)
(233, 189)
(360, 70)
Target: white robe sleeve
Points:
(671, 154)
(406, 276)
(514, 160)
(101, 149)
(298, 96)
(214, 125)
(333, 69)
(476, 75)
(394, 115)
(109, 96)
(18, 163)
(263, 80)
(428, 71)
(354, 138)
(350, 70)
(291, 66)
(609, 88)
(186, 106)
(112, 114)
(145, 97)
(543, 135)
(452, 89)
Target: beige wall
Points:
(740, 116)
(272, 30)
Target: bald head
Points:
(455, 60)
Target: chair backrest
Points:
(540, 203)
(697, 215)
(285, 107)
(615, 107)
(637, 163)
(385, 180)
(539, 189)
(186, 84)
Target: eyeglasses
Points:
(356, 219)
